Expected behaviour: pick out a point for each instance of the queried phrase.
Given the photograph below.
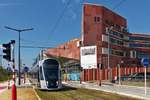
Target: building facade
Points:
(140, 46)
(108, 31)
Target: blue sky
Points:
(42, 15)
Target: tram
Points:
(47, 74)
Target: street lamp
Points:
(19, 31)
(108, 30)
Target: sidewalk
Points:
(3, 86)
(137, 92)
(24, 91)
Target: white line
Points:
(36, 93)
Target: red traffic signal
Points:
(7, 51)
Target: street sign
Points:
(9, 69)
(145, 62)
(26, 69)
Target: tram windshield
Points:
(51, 68)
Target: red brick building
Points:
(140, 45)
(105, 29)
(96, 20)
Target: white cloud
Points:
(64, 1)
(8, 4)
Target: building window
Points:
(140, 38)
(117, 27)
(116, 33)
(96, 19)
(113, 52)
(116, 41)
(116, 52)
(132, 54)
(136, 45)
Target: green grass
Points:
(3, 74)
(69, 93)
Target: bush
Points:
(3, 74)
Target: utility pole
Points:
(108, 30)
(19, 31)
(109, 69)
(14, 91)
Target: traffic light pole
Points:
(19, 65)
(14, 92)
(19, 31)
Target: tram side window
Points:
(38, 73)
(41, 75)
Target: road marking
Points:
(36, 94)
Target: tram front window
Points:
(51, 73)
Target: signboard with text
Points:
(88, 56)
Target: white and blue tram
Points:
(47, 73)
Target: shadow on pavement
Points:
(64, 88)
(67, 88)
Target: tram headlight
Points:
(46, 82)
(57, 83)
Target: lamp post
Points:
(108, 30)
(19, 31)
(109, 69)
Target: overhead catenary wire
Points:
(42, 47)
(55, 25)
(118, 4)
(60, 17)
(33, 42)
(35, 47)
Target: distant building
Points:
(70, 50)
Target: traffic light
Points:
(7, 51)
